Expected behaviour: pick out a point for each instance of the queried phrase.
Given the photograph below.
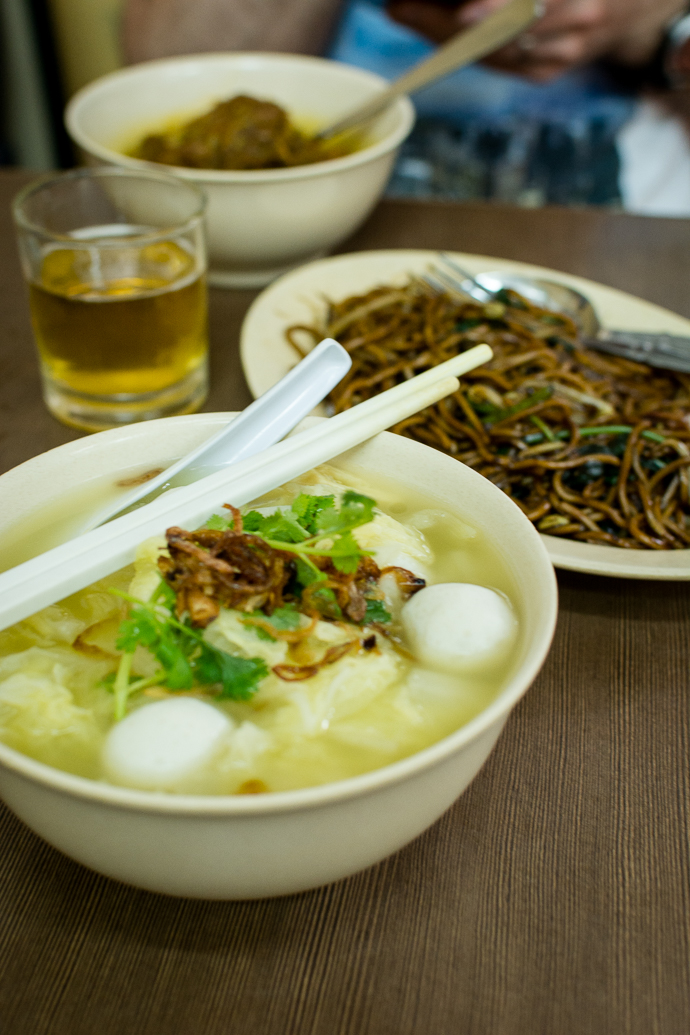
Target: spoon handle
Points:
(471, 45)
(656, 349)
(260, 425)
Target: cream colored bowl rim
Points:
(309, 797)
(105, 84)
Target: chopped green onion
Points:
(493, 414)
(544, 428)
(607, 429)
(621, 429)
(467, 325)
(552, 318)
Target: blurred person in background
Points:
(555, 116)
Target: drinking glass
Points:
(115, 262)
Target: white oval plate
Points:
(300, 297)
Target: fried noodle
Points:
(590, 447)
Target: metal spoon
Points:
(263, 423)
(668, 351)
(461, 50)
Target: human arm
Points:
(160, 28)
(571, 32)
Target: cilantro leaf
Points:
(332, 536)
(185, 659)
(326, 603)
(324, 599)
(164, 595)
(171, 651)
(218, 523)
(376, 612)
(313, 525)
(307, 572)
(282, 526)
(355, 510)
(307, 508)
(238, 677)
(345, 553)
(287, 617)
(140, 628)
(252, 521)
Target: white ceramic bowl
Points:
(260, 222)
(272, 844)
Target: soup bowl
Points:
(260, 222)
(253, 846)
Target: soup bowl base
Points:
(219, 277)
(260, 854)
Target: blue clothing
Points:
(559, 135)
(367, 37)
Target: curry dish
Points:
(240, 133)
(590, 447)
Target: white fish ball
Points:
(162, 746)
(458, 626)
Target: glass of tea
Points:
(115, 261)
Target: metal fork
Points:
(656, 349)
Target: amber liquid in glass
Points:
(123, 321)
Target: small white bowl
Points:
(262, 222)
(237, 847)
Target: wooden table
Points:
(552, 899)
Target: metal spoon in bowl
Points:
(263, 423)
(471, 45)
(656, 349)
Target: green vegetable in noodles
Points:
(620, 429)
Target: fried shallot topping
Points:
(211, 568)
(349, 590)
(408, 584)
(208, 569)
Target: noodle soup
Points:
(343, 683)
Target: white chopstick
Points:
(73, 565)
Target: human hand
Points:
(437, 21)
(570, 33)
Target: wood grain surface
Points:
(552, 899)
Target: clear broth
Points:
(416, 710)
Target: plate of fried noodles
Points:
(594, 449)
